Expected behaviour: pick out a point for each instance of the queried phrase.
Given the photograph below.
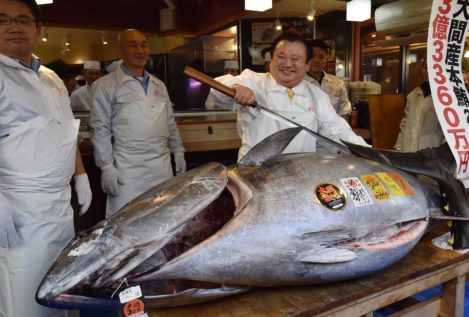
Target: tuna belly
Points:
(374, 252)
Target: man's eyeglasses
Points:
(21, 20)
(294, 59)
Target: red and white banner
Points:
(446, 38)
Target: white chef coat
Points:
(309, 107)
(143, 130)
(420, 127)
(210, 103)
(335, 89)
(80, 99)
(38, 149)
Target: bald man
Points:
(133, 127)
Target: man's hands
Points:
(83, 190)
(110, 180)
(179, 162)
(244, 95)
(9, 220)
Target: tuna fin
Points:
(269, 148)
(437, 214)
(192, 296)
(431, 162)
(326, 255)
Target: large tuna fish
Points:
(282, 220)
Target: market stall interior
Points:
(379, 59)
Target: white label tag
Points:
(129, 294)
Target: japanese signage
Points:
(446, 37)
(357, 191)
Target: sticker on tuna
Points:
(391, 183)
(356, 191)
(402, 183)
(379, 192)
(330, 196)
(135, 308)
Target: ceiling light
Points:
(104, 38)
(278, 24)
(44, 36)
(411, 58)
(358, 10)
(312, 12)
(44, 1)
(66, 41)
(257, 5)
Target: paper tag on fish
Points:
(130, 293)
(132, 302)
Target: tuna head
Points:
(114, 247)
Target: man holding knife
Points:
(286, 92)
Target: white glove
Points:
(110, 180)
(83, 189)
(180, 162)
(9, 220)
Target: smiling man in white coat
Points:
(284, 91)
(133, 126)
(38, 149)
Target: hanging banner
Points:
(446, 37)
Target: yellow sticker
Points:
(403, 183)
(391, 183)
(377, 189)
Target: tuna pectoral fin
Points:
(192, 296)
(326, 255)
(269, 148)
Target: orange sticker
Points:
(377, 189)
(391, 183)
(402, 183)
(134, 307)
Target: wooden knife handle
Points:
(212, 83)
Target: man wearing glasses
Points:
(38, 141)
(284, 91)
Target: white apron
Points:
(141, 153)
(37, 162)
(266, 124)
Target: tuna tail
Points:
(438, 164)
(269, 148)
